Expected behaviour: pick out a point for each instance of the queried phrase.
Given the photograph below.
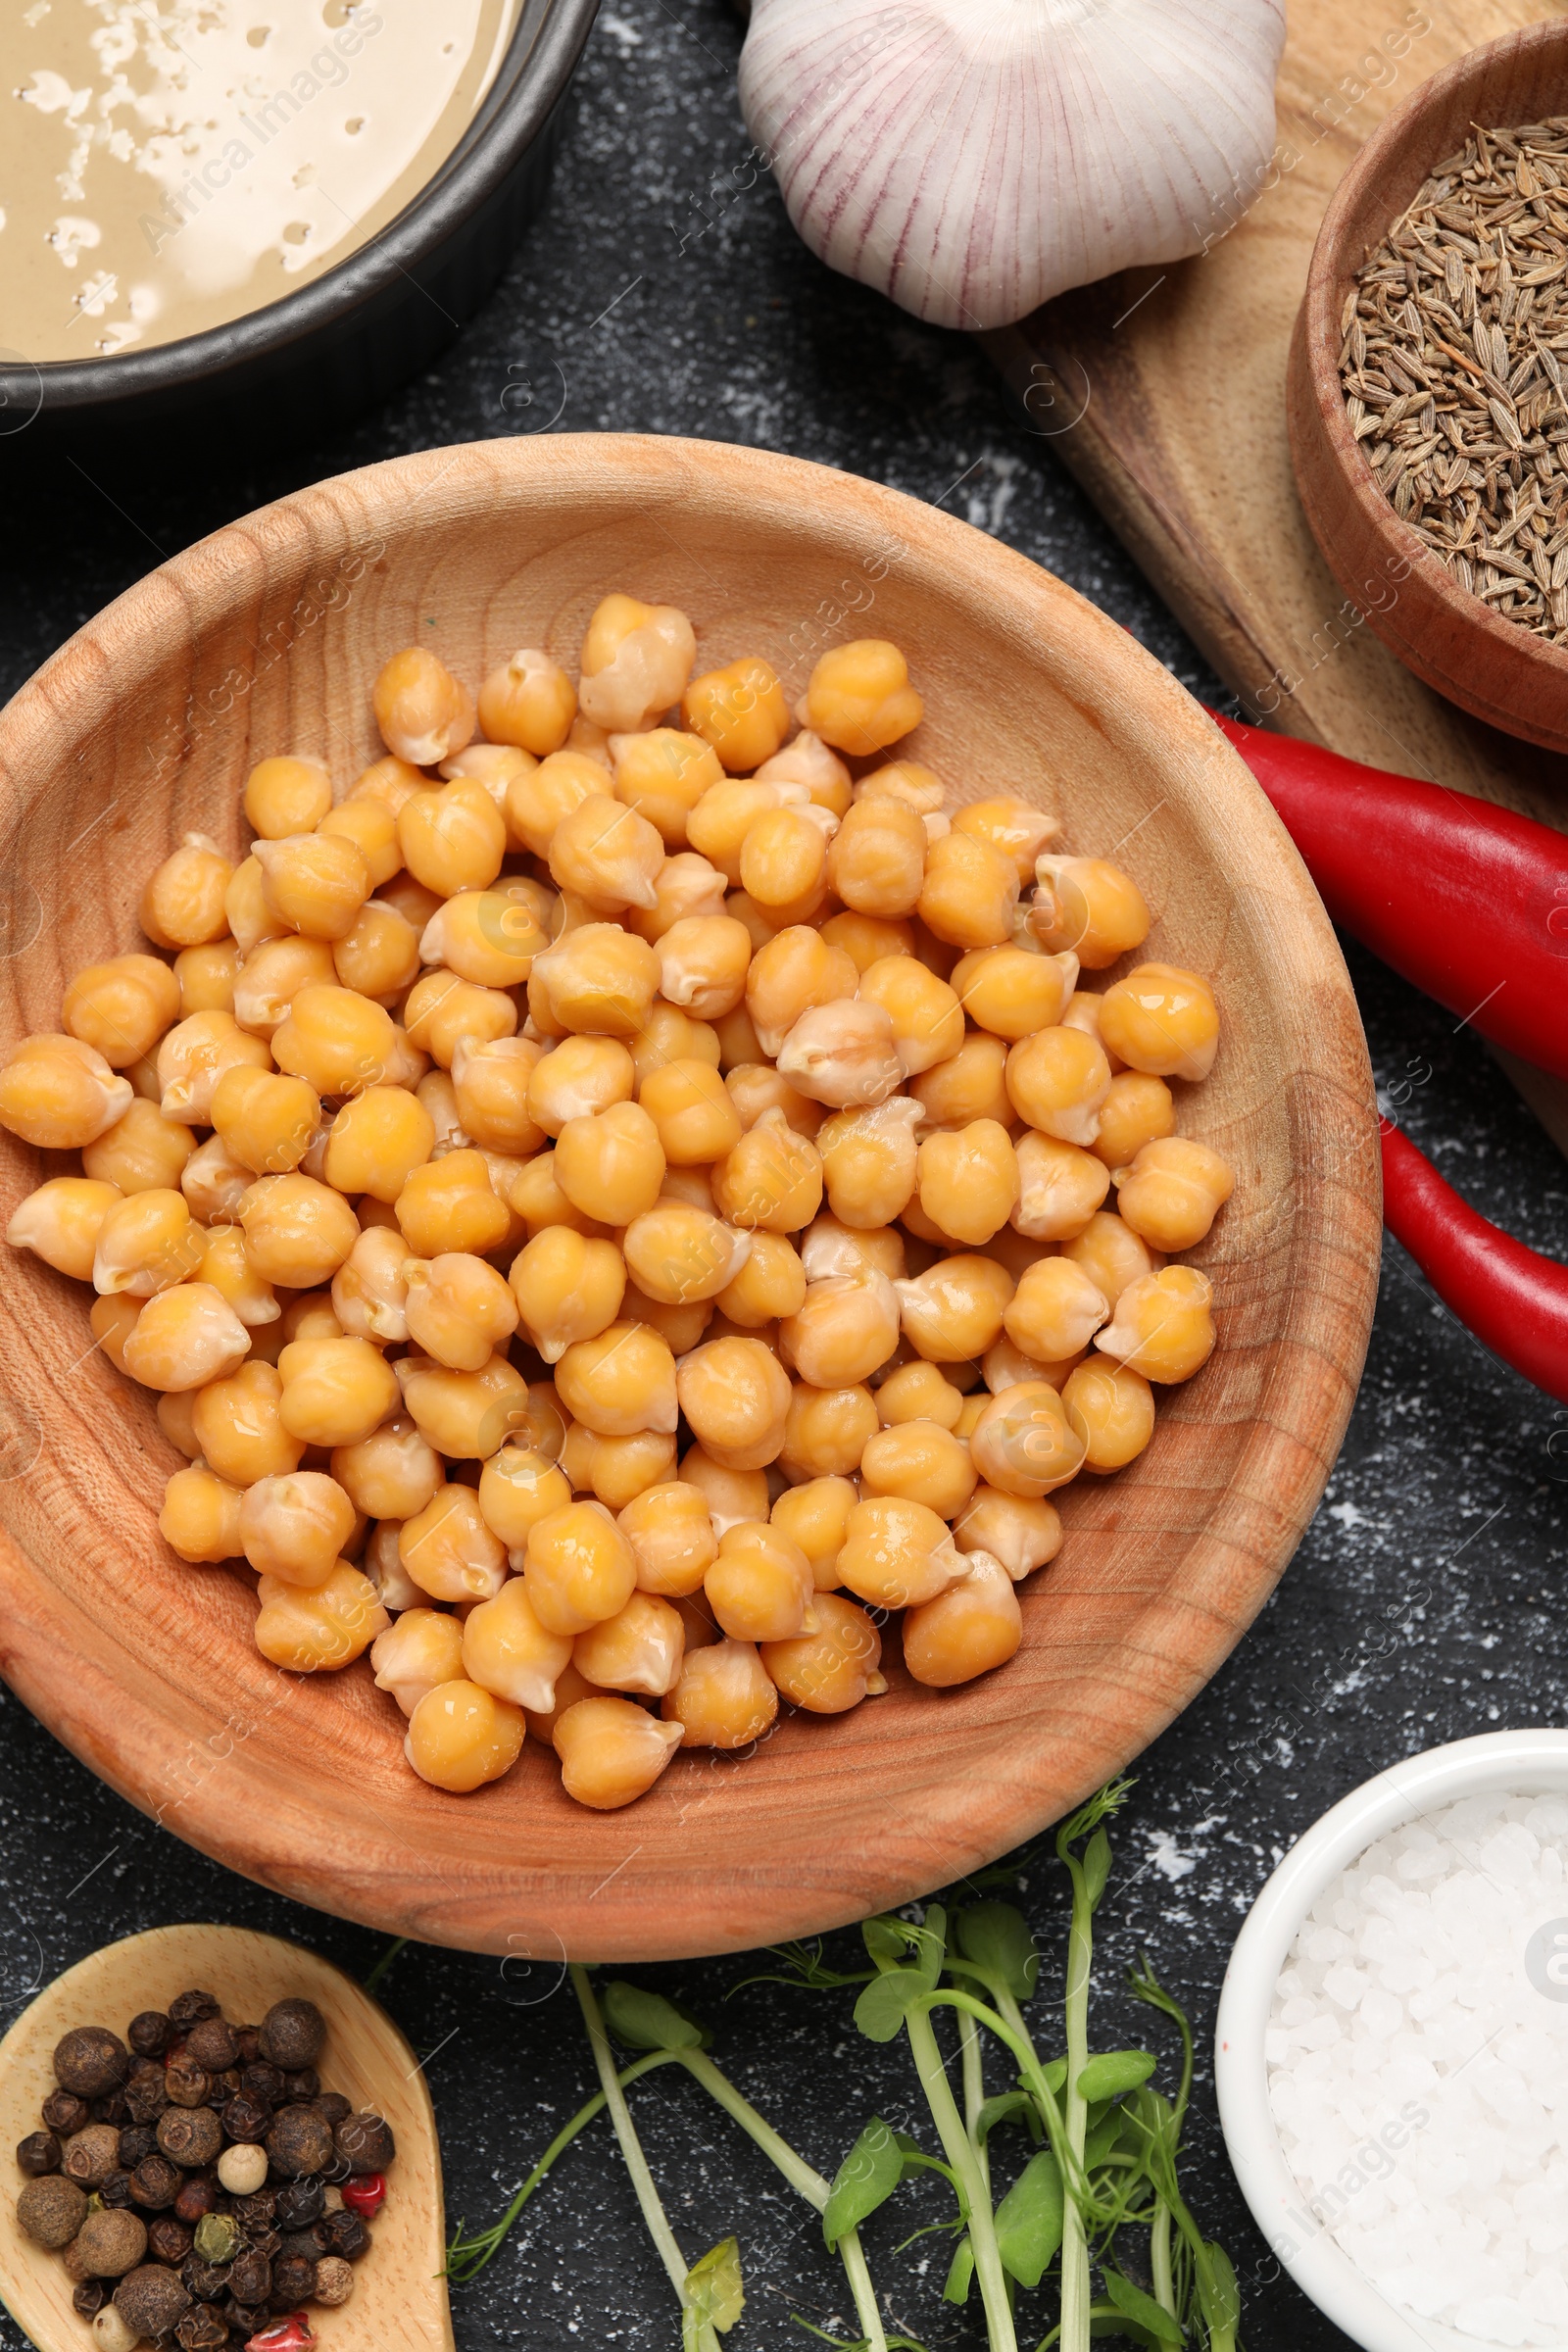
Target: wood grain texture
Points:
(1492, 668)
(144, 725)
(399, 2302)
(1164, 393)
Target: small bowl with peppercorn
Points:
(1426, 388)
(205, 2123)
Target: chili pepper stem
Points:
(801, 2178)
(695, 2336)
(961, 2154)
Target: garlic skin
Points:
(972, 158)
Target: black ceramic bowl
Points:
(351, 335)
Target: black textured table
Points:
(1424, 1603)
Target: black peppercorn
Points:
(186, 2082)
(300, 2203)
(333, 2106)
(312, 2243)
(89, 2297)
(38, 2153)
(201, 2330)
(167, 2240)
(224, 2086)
(156, 2182)
(262, 2082)
(145, 2094)
(263, 2242)
(250, 2277)
(257, 2212)
(304, 2082)
(347, 2235)
(115, 2190)
(247, 2119)
(210, 2043)
(299, 2142)
(190, 2136)
(244, 2318)
(207, 2282)
(137, 2141)
(149, 2033)
(65, 2114)
(366, 2139)
(151, 2299)
(89, 2061)
(293, 2279)
(247, 2042)
(111, 2109)
(292, 2034)
(197, 2199)
(189, 2009)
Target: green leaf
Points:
(959, 2272)
(1141, 2307)
(881, 2008)
(1217, 2290)
(886, 1939)
(1114, 2072)
(1106, 2320)
(1000, 2110)
(641, 2020)
(1029, 2220)
(865, 2180)
(714, 2288)
(1097, 1867)
(998, 1939)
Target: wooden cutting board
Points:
(1164, 393)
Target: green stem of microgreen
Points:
(1034, 2077)
(962, 2156)
(1160, 2259)
(695, 2338)
(384, 1963)
(974, 2090)
(466, 2257)
(1076, 2293)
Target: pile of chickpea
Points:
(614, 1208)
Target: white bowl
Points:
(1497, 1764)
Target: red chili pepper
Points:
(1466, 899)
(285, 2336)
(365, 2195)
(1514, 1299)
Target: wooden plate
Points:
(265, 638)
(399, 2301)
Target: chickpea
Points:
(755, 1086)
(919, 1392)
(783, 859)
(696, 1121)
(638, 1649)
(770, 1284)
(969, 1085)
(142, 1151)
(422, 1650)
(145, 1244)
(297, 1232)
(60, 1222)
(1022, 1534)
(816, 1516)
(686, 889)
(1013, 827)
(517, 1488)
(896, 1554)
(460, 1738)
(845, 1327)
(842, 1054)
(490, 1081)
(663, 774)
(1173, 1191)
(1059, 1189)
(670, 1035)
(339, 1040)
(285, 796)
(612, 1750)
(952, 1312)
(335, 1390)
(537, 1199)
(616, 1470)
(927, 1017)
(808, 761)
(182, 906)
(1056, 1311)
(237, 1421)
(450, 1551)
(969, 893)
(772, 1178)
(703, 960)
(621, 1382)
(376, 1141)
(121, 1009)
(597, 978)
(1112, 1410)
(506, 1651)
(607, 853)
(112, 1320)
(205, 977)
(458, 1309)
(671, 1534)
(830, 1247)
(578, 1078)
(972, 1627)
(739, 1046)
(636, 660)
(1004, 1364)
(538, 800)
(394, 1587)
(568, 1288)
(1089, 905)
(735, 1395)
(246, 912)
(226, 1266)
(1011, 993)
(313, 883)
(723, 1696)
(760, 1587)
(794, 972)
(731, 1495)
(455, 837)
(371, 1289)
(1023, 1443)
(1162, 1326)
(372, 827)
(1111, 1255)
(761, 927)
(1138, 1110)
(869, 1162)
(295, 1526)
(859, 698)
(876, 860)
(392, 1474)
(194, 1056)
(389, 780)
(907, 782)
(833, 1669)
(449, 1203)
(321, 1630)
(1162, 1020)
(528, 701)
(489, 937)
(441, 1011)
(579, 1569)
(183, 1338)
(922, 1461)
(266, 1121)
(1057, 1080)
(466, 1415)
(1083, 1013)
(200, 1517)
(741, 711)
(678, 1254)
(968, 1180)
(826, 1432)
(724, 813)
(272, 977)
(58, 1094)
(611, 1164)
(425, 713)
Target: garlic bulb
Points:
(972, 158)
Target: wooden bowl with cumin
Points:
(269, 636)
(1499, 670)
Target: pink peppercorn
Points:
(292, 2335)
(367, 2195)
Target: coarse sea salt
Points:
(1417, 2054)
